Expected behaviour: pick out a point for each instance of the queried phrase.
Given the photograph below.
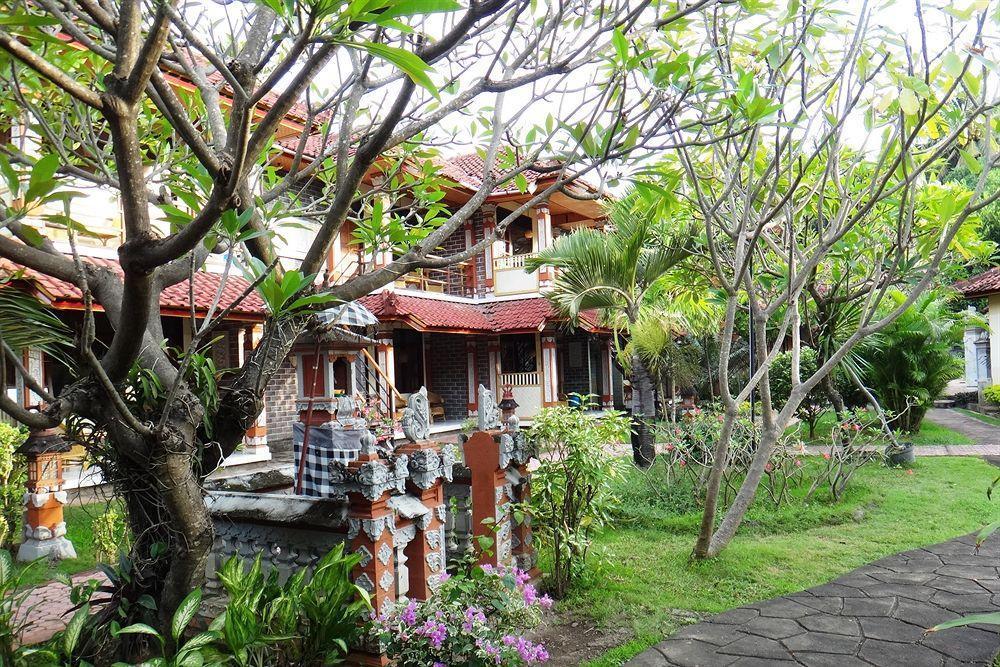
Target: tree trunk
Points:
(714, 485)
(643, 405)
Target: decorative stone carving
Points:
(345, 408)
(365, 582)
(416, 421)
(371, 479)
(426, 466)
(489, 411)
(514, 448)
(385, 581)
(384, 553)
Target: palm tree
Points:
(613, 271)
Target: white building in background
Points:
(982, 350)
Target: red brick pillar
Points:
(472, 379)
(490, 495)
(425, 557)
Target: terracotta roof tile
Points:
(428, 313)
(981, 285)
(175, 297)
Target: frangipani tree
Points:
(856, 114)
(179, 109)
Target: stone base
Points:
(248, 455)
(58, 548)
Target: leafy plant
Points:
(13, 469)
(311, 619)
(195, 652)
(111, 534)
(992, 394)
(13, 619)
(814, 404)
(473, 619)
(571, 489)
(915, 362)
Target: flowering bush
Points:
(688, 453)
(473, 620)
(856, 440)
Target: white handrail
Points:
(524, 379)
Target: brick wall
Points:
(480, 260)
(446, 361)
(456, 243)
(483, 363)
(573, 355)
(279, 399)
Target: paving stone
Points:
(890, 654)
(904, 577)
(969, 572)
(752, 646)
(867, 607)
(963, 604)
(785, 608)
(719, 635)
(832, 605)
(650, 658)
(921, 614)
(900, 591)
(957, 585)
(773, 628)
(761, 662)
(829, 660)
(737, 616)
(692, 653)
(838, 625)
(890, 629)
(968, 644)
(857, 579)
(823, 642)
(837, 590)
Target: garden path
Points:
(48, 608)
(876, 615)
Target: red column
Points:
(425, 558)
(472, 379)
(490, 495)
(370, 523)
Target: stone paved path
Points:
(875, 615)
(48, 608)
(981, 432)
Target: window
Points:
(517, 354)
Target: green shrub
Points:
(992, 394)
(571, 489)
(814, 404)
(13, 469)
(111, 534)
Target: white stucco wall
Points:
(994, 319)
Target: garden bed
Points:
(641, 584)
(930, 433)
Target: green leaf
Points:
(992, 618)
(73, 629)
(185, 612)
(41, 176)
(409, 63)
(620, 43)
(908, 101)
(970, 161)
(413, 7)
(952, 64)
(138, 629)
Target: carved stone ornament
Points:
(426, 466)
(514, 448)
(371, 479)
(489, 411)
(416, 421)
(345, 408)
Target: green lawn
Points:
(640, 575)
(992, 421)
(929, 433)
(78, 529)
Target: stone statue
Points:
(345, 409)
(489, 411)
(416, 419)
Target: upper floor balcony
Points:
(510, 276)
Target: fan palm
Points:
(613, 271)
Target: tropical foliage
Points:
(916, 359)
(570, 490)
(13, 469)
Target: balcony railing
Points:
(525, 379)
(509, 262)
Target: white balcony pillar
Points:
(542, 220)
(550, 371)
(495, 249)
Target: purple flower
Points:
(409, 615)
(530, 595)
(545, 602)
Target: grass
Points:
(79, 520)
(992, 421)
(640, 576)
(930, 433)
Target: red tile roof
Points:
(981, 285)
(173, 299)
(431, 314)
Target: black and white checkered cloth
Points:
(351, 314)
(326, 444)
